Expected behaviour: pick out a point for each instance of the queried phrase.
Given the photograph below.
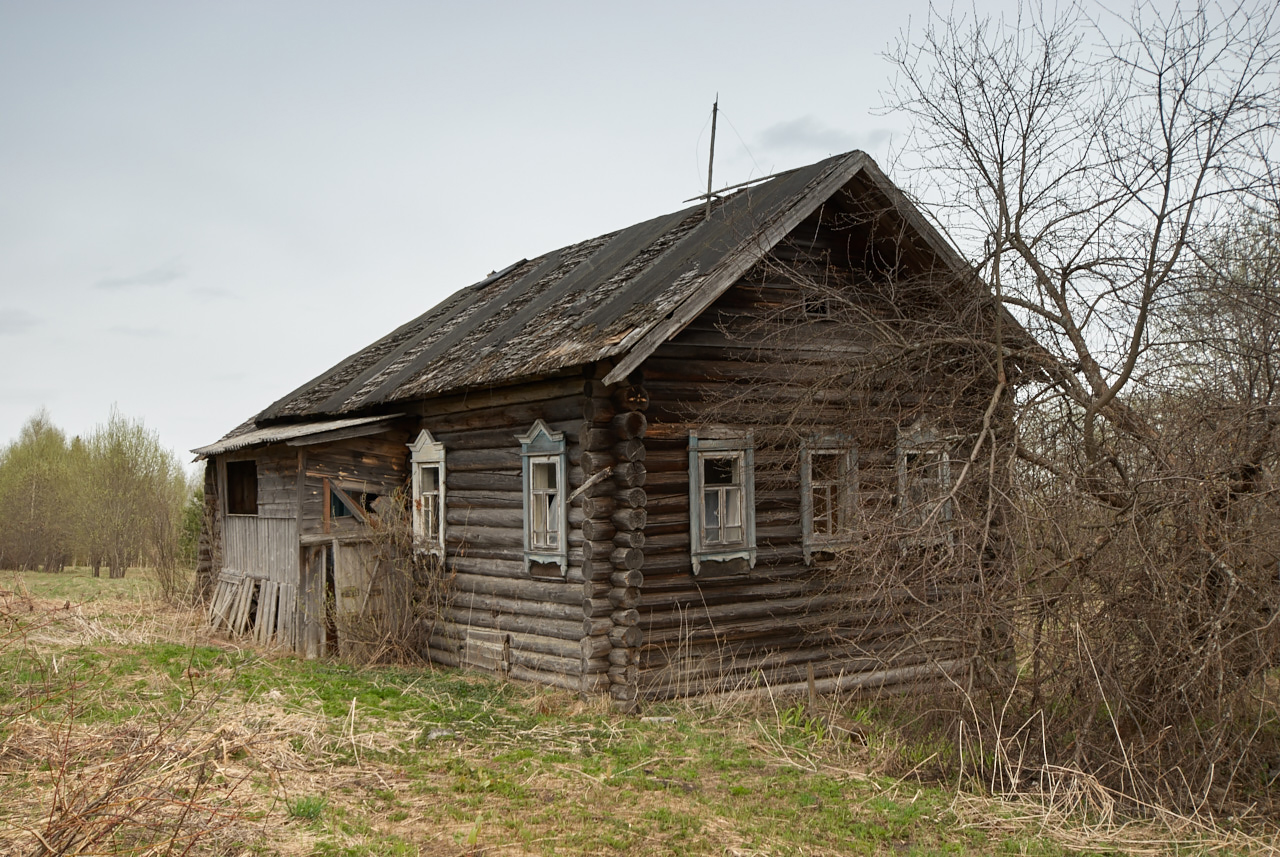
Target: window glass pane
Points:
(719, 471)
(711, 510)
(544, 474)
(553, 516)
(732, 507)
(430, 517)
(821, 509)
(430, 479)
(826, 466)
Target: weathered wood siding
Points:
(500, 616)
(783, 621)
(261, 547)
(375, 465)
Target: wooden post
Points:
(711, 159)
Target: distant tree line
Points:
(115, 498)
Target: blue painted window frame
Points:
(842, 499)
(542, 446)
(705, 445)
(426, 453)
(937, 507)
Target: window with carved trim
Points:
(426, 460)
(925, 505)
(829, 494)
(721, 498)
(542, 455)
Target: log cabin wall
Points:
(782, 621)
(501, 617)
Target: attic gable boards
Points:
(873, 227)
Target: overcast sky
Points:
(204, 205)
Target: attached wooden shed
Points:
(609, 520)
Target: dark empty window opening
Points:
(242, 487)
(817, 306)
(339, 509)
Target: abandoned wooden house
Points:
(606, 518)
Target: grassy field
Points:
(123, 730)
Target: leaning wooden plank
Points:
(269, 622)
(264, 623)
(229, 590)
(247, 589)
(217, 606)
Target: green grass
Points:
(338, 760)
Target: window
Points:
(350, 501)
(829, 493)
(542, 456)
(721, 498)
(925, 506)
(427, 463)
(242, 487)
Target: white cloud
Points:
(14, 322)
(161, 275)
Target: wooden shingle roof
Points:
(618, 296)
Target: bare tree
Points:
(1090, 164)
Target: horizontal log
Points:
(520, 672)
(623, 692)
(598, 550)
(486, 499)
(479, 601)
(594, 529)
(598, 508)
(521, 588)
(634, 498)
(599, 664)
(483, 481)
(630, 474)
(632, 539)
(597, 569)
(630, 424)
(546, 645)
(626, 636)
(595, 647)
(629, 519)
(628, 616)
(598, 410)
(595, 626)
(459, 515)
(594, 683)
(491, 567)
(536, 394)
(507, 458)
(623, 674)
(622, 657)
(592, 439)
(443, 657)
(595, 607)
(629, 578)
(627, 558)
(538, 625)
(544, 662)
(593, 462)
(503, 537)
(907, 677)
(624, 597)
(596, 588)
(629, 450)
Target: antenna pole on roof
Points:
(711, 160)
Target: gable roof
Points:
(618, 296)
